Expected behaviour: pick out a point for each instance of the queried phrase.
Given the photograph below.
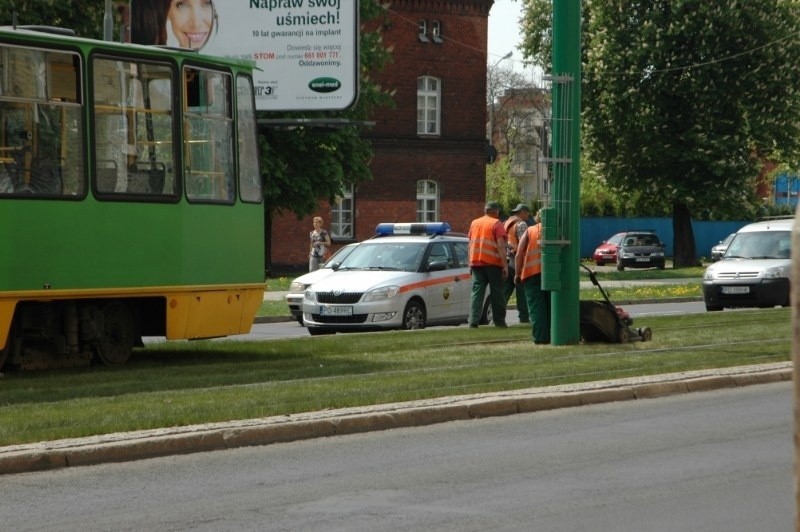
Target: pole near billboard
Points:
(306, 51)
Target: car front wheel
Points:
(414, 316)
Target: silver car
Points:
(719, 250)
(298, 287)
(755, 270)
(408, 276)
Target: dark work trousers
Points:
(509, 287)
(491, 276)
(539, 308)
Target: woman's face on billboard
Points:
(191, 21)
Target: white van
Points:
(755, 269)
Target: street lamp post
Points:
(491, 85)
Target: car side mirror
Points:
(437, 266)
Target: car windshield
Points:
(385, 255)
(641, 240)
(616, 239)
(339, 256)
(760, 245)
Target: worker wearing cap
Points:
(515, 227)
(487, 263)
(529, 275)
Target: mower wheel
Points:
(646, 334)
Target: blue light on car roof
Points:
(429, 228)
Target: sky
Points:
(504, 31)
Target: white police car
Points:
(408, 276)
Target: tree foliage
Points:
(501, 186)
(684, 100)
(86, 18)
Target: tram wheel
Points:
(118, 334)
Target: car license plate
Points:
(735, 289)
(642, 259)
(336, 311)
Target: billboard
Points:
(306, 51)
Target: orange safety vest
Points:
(511, 233)
(482, 245)
(533, 253)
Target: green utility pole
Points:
(561, 221)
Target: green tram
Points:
(130, 197)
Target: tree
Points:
(518, 111)
(501, 186)
(684, 100)
(85, 18)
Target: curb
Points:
(137, 445)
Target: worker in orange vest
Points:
(487, 263)
(515, 227)
(529, 275)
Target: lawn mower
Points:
(602, 321)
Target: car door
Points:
(442, 286)
(463, 283)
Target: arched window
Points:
(427, 201)
(428, 105)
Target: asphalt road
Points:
(291, 329)
(719, 460)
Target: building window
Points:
(428, 95)
(427, 201)
(436, 31)
(342, 215)
(423, 30)
(524, 160)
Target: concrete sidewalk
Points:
(143, 444)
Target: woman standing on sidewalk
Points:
(320, 242)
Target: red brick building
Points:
(430, 149)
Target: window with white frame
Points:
(342, 215)
(436, 31)
(423, 30)
(428, 105)
(427, 201)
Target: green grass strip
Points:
(183, 383)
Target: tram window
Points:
(134, 125)
(41, 124)
(249, 175)
(208, 136)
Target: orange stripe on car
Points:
(433, 282)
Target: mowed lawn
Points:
(182, 383)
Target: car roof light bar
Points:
(422, 228)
